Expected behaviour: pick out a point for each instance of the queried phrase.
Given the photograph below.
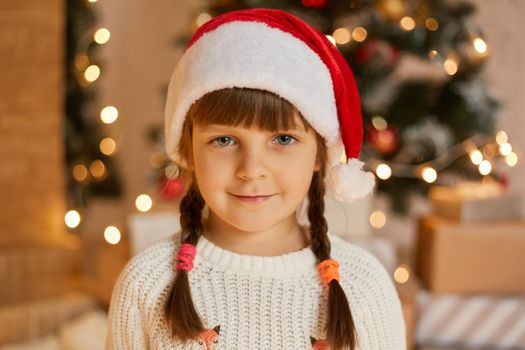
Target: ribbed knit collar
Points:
(298, 261)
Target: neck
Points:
(282, 238)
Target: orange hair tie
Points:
(329, 270)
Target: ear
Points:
(317, 165)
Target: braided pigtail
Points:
(340, 328)
(179, 309)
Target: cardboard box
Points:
(475, 203)
(456, 257)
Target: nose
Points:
(252, 165)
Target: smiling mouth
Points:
(252, 196)
(252, 199)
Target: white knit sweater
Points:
(268, 303)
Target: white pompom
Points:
(348, 182)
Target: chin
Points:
(251, 225)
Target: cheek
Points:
(296, 173)
(210, 171)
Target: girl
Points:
(260, 108)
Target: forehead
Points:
(217, 127)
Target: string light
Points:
(431, 24)
(451, 66)
(511, 159)
(480, 45)
(143, 203)
(92, 73)
(470, 147)
(383, 171)
(342, 36)
(476, 156)
(72, 219)
(378, 219)
(80, 172)
(505, 149)
(402, 274)
(112, 235)
(485, 167)
(407, 23)
(97, 169)
(432, 54)
(108, 146)
(101, 36)
(429, 174)
(109, 114)
(359, 34)
(501, 137)
(379, 123)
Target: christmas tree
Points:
(90, 168)
(427, 115)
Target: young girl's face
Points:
(253, 179)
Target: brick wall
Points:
(31, 116)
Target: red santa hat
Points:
(276, 51)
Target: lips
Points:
(252, 195)
(252, 198)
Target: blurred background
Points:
(85, 183)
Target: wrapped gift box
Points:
(478, 321)
(475, 202)
(471, 258)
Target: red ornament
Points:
(378, 50)
(314, 3)
(170, 188)
(504, 181)
(385, 141)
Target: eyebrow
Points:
(222, 128)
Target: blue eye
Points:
(223, 141)
(285, 139)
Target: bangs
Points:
(246, 107)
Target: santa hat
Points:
(273, 50)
